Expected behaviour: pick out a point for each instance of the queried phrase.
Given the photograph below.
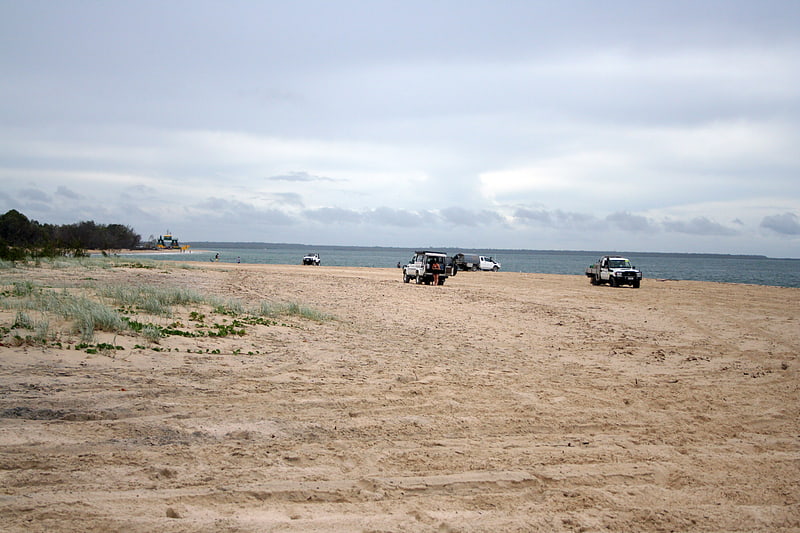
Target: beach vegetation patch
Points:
(7, 265)
(272, 309)
(76, 307)
(22, 321)
(86, 314)
(23, 288)
(153, 300)
(100, 347)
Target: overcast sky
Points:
(638, 126)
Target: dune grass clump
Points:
(154, 300)
(94, 262)
(230, 306)
(56, 262)
(23, 288)
(274, 310)
(41, 331)
(151, 333)
(87, 314)
(23, 321)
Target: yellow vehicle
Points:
(168, 242)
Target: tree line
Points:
(21, 237)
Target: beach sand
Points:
(497, 402)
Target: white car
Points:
(615, 271)
(311, 259)
(476, 262)
(487, 263)
(426, 267)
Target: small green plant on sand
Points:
(151, 333)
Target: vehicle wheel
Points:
(406, 278)
(637, 284)
(441, 281)
(593, 280)
(612, 281)
(496, 268)
(474, 269)
(419, 279)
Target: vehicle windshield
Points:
(619, 263)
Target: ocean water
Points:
(756, 270)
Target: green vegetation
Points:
(271, 309)
(154, 300)
(21, 238)
(136, 311)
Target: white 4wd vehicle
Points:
(488, 263)
(615, 271)
(426, 267)
(476, 262)
(311, 259)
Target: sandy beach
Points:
(497, 402)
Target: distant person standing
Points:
(435, 269)
(238, 259)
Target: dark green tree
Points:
(21, 237)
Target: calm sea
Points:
(702, 267)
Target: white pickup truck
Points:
(426, 267)
(476, 262)
(615, 271)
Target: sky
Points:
(663, 126)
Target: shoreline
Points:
(763, 272)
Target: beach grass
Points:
(273, 310)
(154, 300)
(88, 307)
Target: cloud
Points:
(467, 217)
(699, 226)
(387, 216)
(551, 176)
(378, 217)
(220, 204)
(300, 176)
(555, 218)
(289, 198)
(785, 224)
(68, 193)
(630, 222)
(333, 215)
(224, 212)
(34, 194)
